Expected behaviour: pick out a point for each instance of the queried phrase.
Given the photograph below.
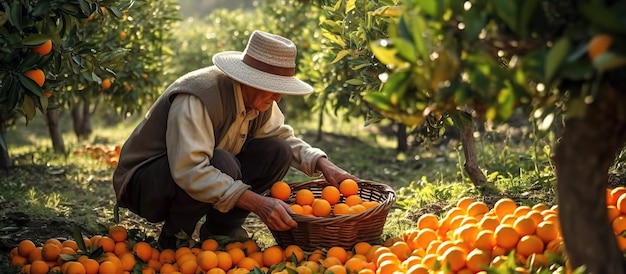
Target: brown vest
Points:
(147, 141)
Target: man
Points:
(216, 139)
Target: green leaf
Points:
(417, 25)
(350, 5)
(78, 237)
(385, 53)
(529, 8)
(507, 11)
(405, 49)
(35, 39)
(506, 100)
(555, 57)
(354, 82)
(340, 55)
(431, 7)
(28, 107)
(41, 8)
(30, 85)
(609, 61)
(475, 20)
(15, 15)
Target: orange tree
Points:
(545, 58)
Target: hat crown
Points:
(271, 49)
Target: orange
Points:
(18, 260)
(612, 212)
(521, 210)
(36, 75)
(428, 220)
(321, 208)
(488, 223)
(425, 237)
(272, 255)
(91, 266)
(506, 236)
(348, 187)
(464, 203)
(388, 267)
(361, 248)
(315, 256)
(432, 247)
(120, 248)
(621, 203)
(504, 207)
(336, 269)
(118, 233)
(529, 244)
(167, 256)
(170, 268)
(35, 254)
(107, 244)
(248, 263)
(485, 240)
(25, 247)
(307, 210)
(143, 250)
(206, 260)
(74, 267)
(128, 261)
(71, 244)
(401, 249)
(44, 48)
(216, 270)
(39, 267)
(224, 261)
(477, 260)
(337, 252)
(356, 209)
(547, 231)
(304, 197)
(477, 209)
(297, 209)
(209, 244)
(535, 215)
(353, 200)
(524, 226)
(331, 194)
(341, 208)
(429, 260)
(280, 190)
(106, 83)
(598, 45)
(540, 207)
(188, 267)
(370, 204)
(178, 253)
(50, 252)
(467, 233)
(236, 254)
(294, 250)
(454, 258)
(250, 246)
(418, 269)
(354, 264)
(614, 195)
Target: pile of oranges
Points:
(332, 201)
(470, 237)
(109, 155)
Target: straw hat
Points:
(268, 63)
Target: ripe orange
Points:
(336, 269)
(50, 252)
(614, 195)
(356, 209)
(44, 48)
(297, 209)
(36, 75)
(488, 223)
(71, 244)
(504, 207)
(612, 212)
(353, 200)
(250, 246)
(91, 266)
(425, 237)
(428, 220)
(209, 244)
(477, 260)
(547, 231)
(524, 226)
(188, 267)
(167, 256)
(118, 233)
(341, 208)
(25, 247)
(143, 250)
(529, 244)
(39, 267)
(361, 248)
(337, 252)
(506, 236)
(224, 261)
(354, 264)
(74, 267)
(464, 203)
(348, 187)
(477, 209)
(248, 263)
(294, 250)
(331, 194)
(304, 197)
(280, 190)
(206, 260)
(273, 255)
(598, 45)
(236, 254)
(485, 240)
(106, 83)
(107, 244)
(128, 261)
(401, 249)
(321, 208)
(455, 258)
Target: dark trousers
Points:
(153, 194)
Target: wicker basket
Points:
(342, 230)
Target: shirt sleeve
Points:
(190, 143)
(304, 155)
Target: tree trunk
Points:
(474, 172)
(81, 117)
(585, 152)
(52, 119)
(401, 135)
(5, 159)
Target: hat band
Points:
(250, 61)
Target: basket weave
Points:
(342, 230)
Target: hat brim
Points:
(230, 62)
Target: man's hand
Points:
(273, 212)
(333, 173)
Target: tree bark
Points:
(583, 156)
(401, 135)
(474, 172)
(81, 117)
(5, 159)
(52, 119)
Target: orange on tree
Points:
(36, 75)
(598, 45)
(44, 48)
(106, 83)
(280, 190)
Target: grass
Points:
(427, 179)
